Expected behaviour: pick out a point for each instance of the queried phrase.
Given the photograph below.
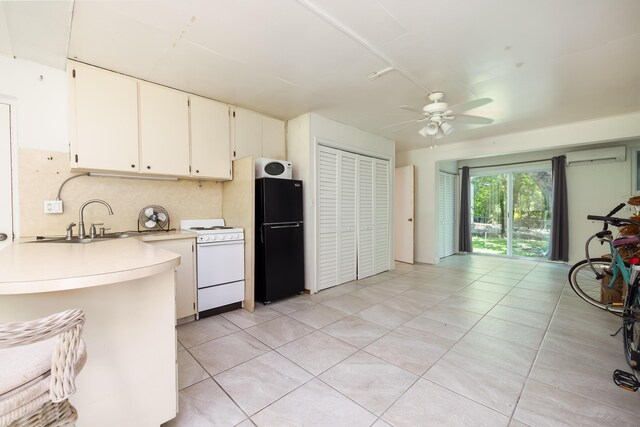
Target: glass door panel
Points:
(531, 214)
(511, 213)
(489, 214)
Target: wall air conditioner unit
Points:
(597, 155)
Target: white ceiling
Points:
(543, 62)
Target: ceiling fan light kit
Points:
(446, 128)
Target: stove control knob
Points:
(205, 238)
(214, 237)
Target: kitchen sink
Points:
(76, 239)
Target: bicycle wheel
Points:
(631, 328)
(584, 282)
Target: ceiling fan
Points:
(437, 114)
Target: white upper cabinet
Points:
(164, 130)
(121, 124)
(257, 135)
(247, 135)
(273, 146)
(210, 142)
(103, 119)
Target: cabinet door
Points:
(210, 144)
(103, 120)
(273, 146)
(164, 130)
(248, 134)
(185, 274)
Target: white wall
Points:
(574, 135)
(304, 133)
(39, 94)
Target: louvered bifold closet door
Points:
(447, 209)
(347, 219)
(441, 206)
(365, 217)
(381, 216)
(327, 217)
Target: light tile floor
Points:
(472, 341)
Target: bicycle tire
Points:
(584, 283)
(631, 329)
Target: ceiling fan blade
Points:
(475, 120)
(410, 108)
(470, 105)
(399, 124)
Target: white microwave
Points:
(271, 168)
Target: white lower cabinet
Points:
(185, 274)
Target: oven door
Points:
(220, 263)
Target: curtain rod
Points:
(509, 164)
(450, 173)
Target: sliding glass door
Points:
(511, 213)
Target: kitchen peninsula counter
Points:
(46, 267)
(127, 290)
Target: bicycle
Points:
(588, 276)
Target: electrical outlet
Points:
(52, 206)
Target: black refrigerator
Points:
(279, 267)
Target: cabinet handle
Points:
(197, 171)
(133, 166)
(148, 167)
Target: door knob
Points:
(3, 237)
(410, 220)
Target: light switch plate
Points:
(52, 206)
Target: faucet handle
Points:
(92, 229)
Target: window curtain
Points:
(559, 242)
(464, 235)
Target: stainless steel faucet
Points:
(81, 232)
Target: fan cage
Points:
(160, 225)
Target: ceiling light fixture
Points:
(376, 74)
(446, 128)
(432, 128)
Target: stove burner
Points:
(215, 227)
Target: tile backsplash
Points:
(41, 173)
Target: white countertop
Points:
(47, 267)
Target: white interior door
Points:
(327, 267)
(6, 203)
(365, 190)
(381, 215)
(347, 217)
(447, 216)
(403, 221)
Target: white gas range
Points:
(220, 265)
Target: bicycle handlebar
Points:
(616, 209)
(617, 222)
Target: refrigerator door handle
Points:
(286, 226)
